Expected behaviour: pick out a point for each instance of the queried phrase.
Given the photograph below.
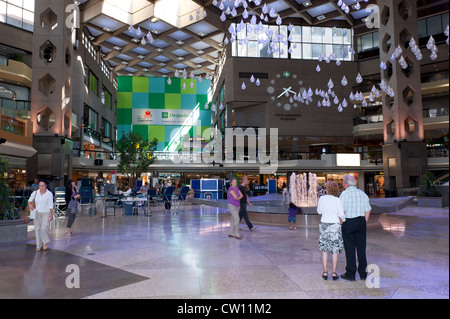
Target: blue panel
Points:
(157, 85)
(188, 101)
(204, 87)
(209, 185)
(272, 186)
(123, 130)
(140, 101)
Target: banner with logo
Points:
(164, 117)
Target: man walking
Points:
(357, 211)
(244, 201)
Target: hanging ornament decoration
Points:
(359, 78)
(243, 86)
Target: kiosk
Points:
(207, 188)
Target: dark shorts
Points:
(292, 220)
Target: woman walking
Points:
(330, 234)
(234, 197)
(71, 201)
(43, 199)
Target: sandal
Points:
(45, 247)
(325, 277)
(334, 277)
(38, 249)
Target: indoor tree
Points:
(136, 156)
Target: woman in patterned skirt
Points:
(330, 234)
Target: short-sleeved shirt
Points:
(231, 200)
(355, 202)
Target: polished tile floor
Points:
(190, 256)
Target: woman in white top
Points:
(44, 213)
(330, 234)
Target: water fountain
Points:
(303, 189)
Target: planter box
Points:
(13, 231)
(430, 202)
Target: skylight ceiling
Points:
(191, 36)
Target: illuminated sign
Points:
(348, 159)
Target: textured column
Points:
(404, 152)
(51, 92)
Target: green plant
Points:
(136, 156)
(429, 180)
(7, 211)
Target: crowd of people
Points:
(342, 227)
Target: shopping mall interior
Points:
(174, 99)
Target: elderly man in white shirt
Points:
(43, 199)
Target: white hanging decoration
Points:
(243, 86)
(258, 82)
(340, 109)
(184, 86)
(318, 68)
(169, 81)
(344, 81)
(383, 65)
(252, 79)
(330, 84)
(359, 78)
(344, 103)
(206, 106)
(191, 85)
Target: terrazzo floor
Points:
(190, 256)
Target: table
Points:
(124, 199)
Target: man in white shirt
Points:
(354, 232)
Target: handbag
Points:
(31, 208)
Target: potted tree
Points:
(11, 224)
(428, 195)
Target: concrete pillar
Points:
(404, 150)
(51, 92)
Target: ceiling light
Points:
(159, 50)
(154, 19)
(107, 29)
(155, 31)
(162, 64)
(145, 70)
(198, 66)
(321, 17)
(200, 52)
(136, 40)
(307, 3)
(202, 34)
(141, 56)
(180, 58)
(117, 48)
(124, 62)
(179, 42)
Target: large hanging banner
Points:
(164, 117)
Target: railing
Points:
(435, 112)
(368, 119)
(18, 105)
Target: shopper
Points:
(357, 211)
(243, 204)
(72, 197)
(43, 199)
(292, 217)
(330, 234)
(234, 197)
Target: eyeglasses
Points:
(42, 185)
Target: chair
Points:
(60, 202)
(183, 194)
(167, 199)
